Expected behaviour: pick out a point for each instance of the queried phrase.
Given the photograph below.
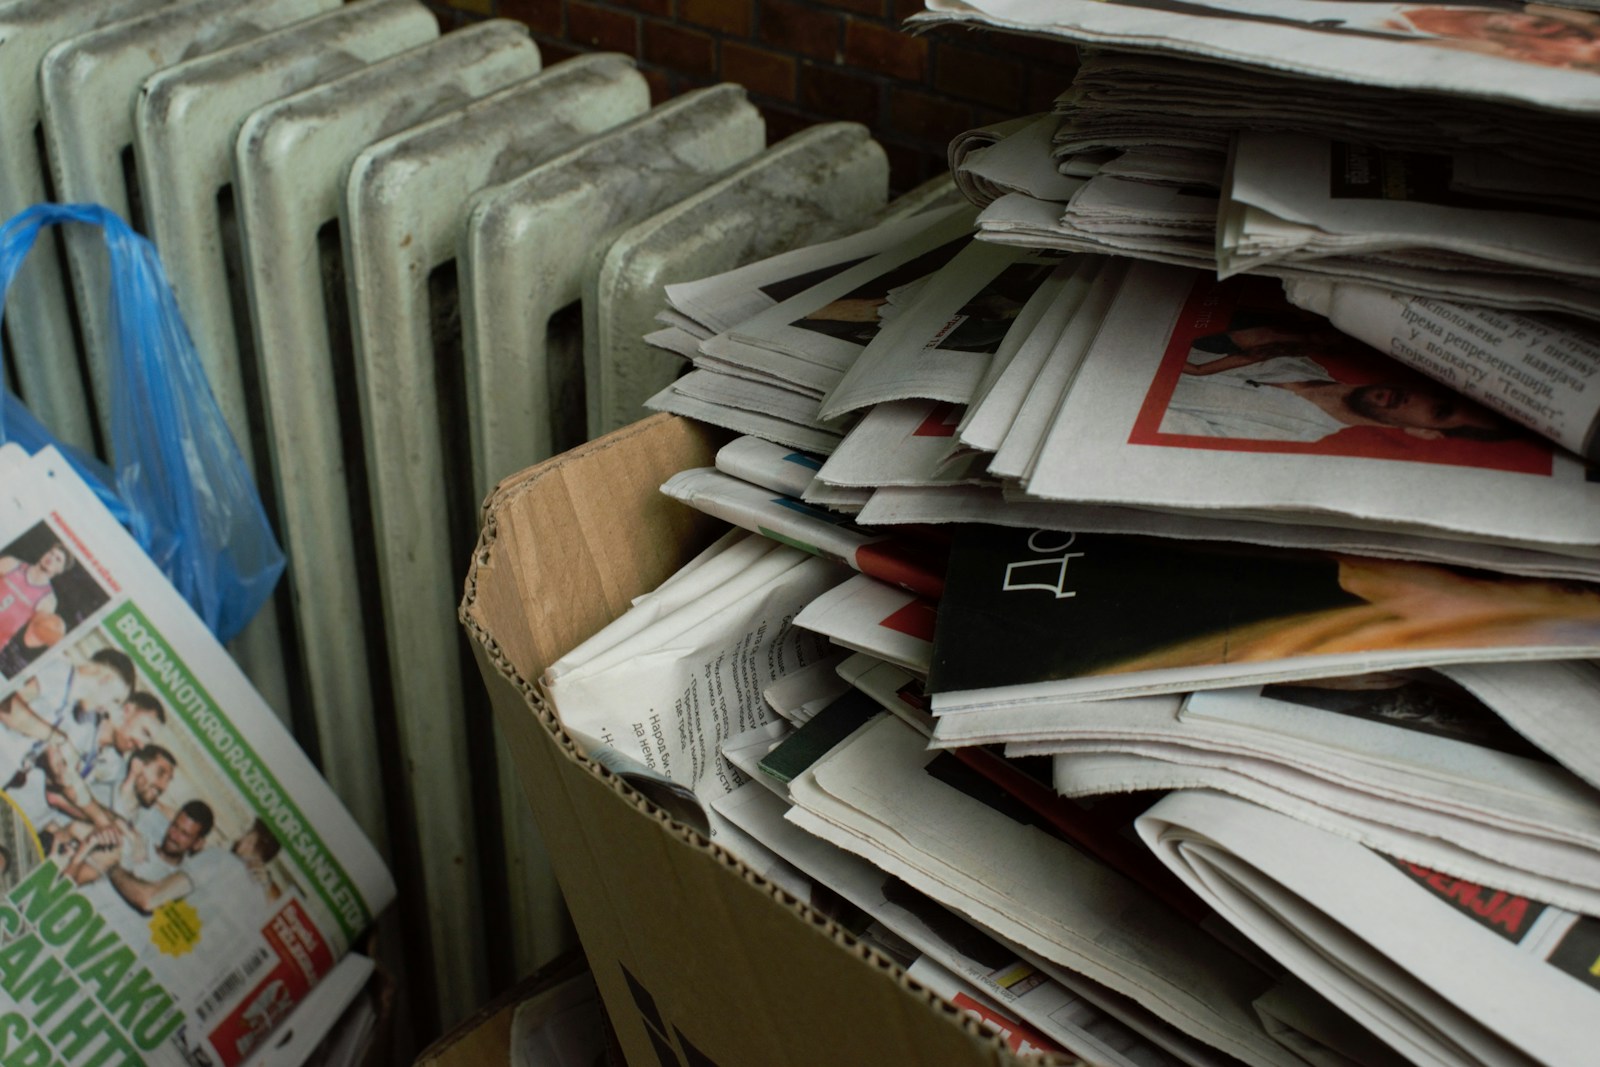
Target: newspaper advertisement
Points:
(176, 876)
(1365, 930)
(1537, 370)
(1199, 394)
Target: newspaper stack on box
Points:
(176, 876)
(1167, 616)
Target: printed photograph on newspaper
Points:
(176, 875)
(1246, 371)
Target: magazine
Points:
(177, 877)
(1042, 616)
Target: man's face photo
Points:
(1421, 409)
(150, 780)
(184, 837)
(137, 729)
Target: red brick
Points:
(1043, 88)
(646, 7)
(1039, 50)
(540, 16)
(868, 46)
(793, 28)
(660, 85)
(680, 50)
(908, 167)
(782, 123)
(976, 76)
(758, 70)
(552, 51)
(838, 94)
(858, 7)
(729, 16)
(924, 117)
(596, 27)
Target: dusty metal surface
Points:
(88, 86)
(820, 183)
(402, 219)
(290, 158)
(186, 119)
(522, 256)
(38, 316)
(527, 242)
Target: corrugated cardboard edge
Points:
(744, 974)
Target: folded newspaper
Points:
(177, 877)
(1389, 942)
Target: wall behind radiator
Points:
(807, 61)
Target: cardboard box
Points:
(483, 1039)
(699, 960)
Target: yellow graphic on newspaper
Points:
(175, 928)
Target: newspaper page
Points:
(725, 300)
(1535, 54)
(870, 616)
(1537, 370)
(925, 505)
(1124, 98)
(995, 972)
(968, 147)
(1027, 432)
(1013, 370)
(930, 821)
(938, 347)
(1542, 869)
(759, 398)
(177, 876)
(755, 423)
(671, 690)
(1199, 394)
(830, 322)
(1332, 197)
(1548, 703)
(1443, 970)
(891, 557)
(763, 463)
(899, 442)
(1019, 162)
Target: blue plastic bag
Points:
(178, 482)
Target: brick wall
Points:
(807, 61)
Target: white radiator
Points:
(380, 241)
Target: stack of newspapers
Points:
(179, 884)
(1163, 603)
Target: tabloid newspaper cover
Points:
(174, 875)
